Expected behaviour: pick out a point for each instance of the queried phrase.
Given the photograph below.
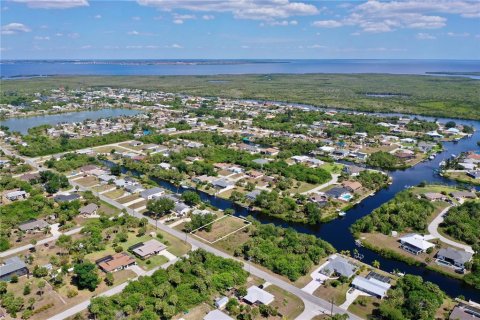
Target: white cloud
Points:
(245, 47)
(53, 4)
(458, 35)
(14, 28)
(425, 36)
(59, 34)
(98, 16)
(86, 47)
(73, 35)
(282, 23)
(178, 21)
(39, 38)
(375, 16)
(133, 33)
(134, 47)
(241, 9)
(208, 17)
(137, 33)
(327, 24)
(316, 46)
(136, 18)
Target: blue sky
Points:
(276, 29)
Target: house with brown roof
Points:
(254, 174)
(352, 186)
(435, 196)
(116, 262)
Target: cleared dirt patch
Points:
(221, 228)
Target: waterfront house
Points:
(352, 186)
(453, 257)
(415, 243)
(371, 286)
(339, 266)
(252, 195)
(152, 193)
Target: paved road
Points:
(313, 304)
(320, 187)
(39, 243)
(433, 230)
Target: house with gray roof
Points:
(222, 185)
(339, 266)
(371, 286)
(12, 266)
(252, 195)
(152, 193)
(89, 209)
(453, 257)
(66, 197)
(33, 224)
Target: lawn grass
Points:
(289, 305)
(365, 312)
(114, 194)
(329, 293)
(155, 261)
(128, 198)
(87, 181)
(332, 167)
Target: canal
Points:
(337, 231)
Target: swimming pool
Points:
(346, 197)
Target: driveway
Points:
(433, 230)
(351, 295)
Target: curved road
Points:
(433, 230)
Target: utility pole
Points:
(331, 309)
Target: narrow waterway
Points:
(337, 231)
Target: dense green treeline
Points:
(463, 222)
(186, 284)
(404, 212)
(416, 94)
(284, 251)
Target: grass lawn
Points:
(304, 187)
(197, 312)
(328, 292)
(103, 187)
(154, 261)
(289, 305)
(221, 228)
(139, 204)
(371, 150)
(364, 311)
(332, 167)
(462, 177)
(108, 208)
(87, 181)
(128, 198)
(107, 149)
(230, 243)
(114, 194)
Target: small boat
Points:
(358, 243)
(432, 156)
(342, 214)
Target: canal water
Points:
(24, 123)
(337, 231)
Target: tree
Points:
(41, 286)
(40, 272)
(116, 170)
(376, 264)
(160, 207)
(27, 289)
(109, 279)
(86, 275)
(3, 288)
(14, 279)
(191, 198)
(450, 124)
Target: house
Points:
(221, 302)
(405, 155)
(270, 151)
(88, 169)
(197, 212)
(339, 266)
(453, 257)
(193, 145)
(33, 224)
(336, 192)
(255, 295)
(217, 315)
(353, 170)
(435, 196)
(147, 249)
(254, 174)
(165, 166)
(116, 262)
(352, 186)
(319, 199)
(134, 188)
(12, 266)
(261, 162)
(371, 286)
(465, 311)
(223, 185)
(415, 243)
(460, 195)
(181, 209)
(203, 179)
(359, 156)
(152, 193)
(66, 197)
(16, 195)
(252, 195)
(106, 178)
(474, 174)
(30, 176)
(89, 210)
